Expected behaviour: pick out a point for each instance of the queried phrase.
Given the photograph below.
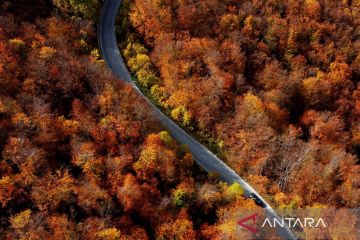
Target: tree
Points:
(229, 22)
(234, 191)
(18, 46)
(85, 8)
(52, 191)
(273, 76)
(7, 190)
(166, 138)
(21, 220)
(47, 52)
(251, 111)
(182, 115)
(183, 195)
(130, 194)
(92, 198)
(329, 129)
(147, 78)
(157, 157)
(209, 196)
(110, 234)
(181, 228)
(316, 91)
(61, 227)
(228, 217)
(313, 8)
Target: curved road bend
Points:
(111, 54)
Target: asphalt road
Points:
(211, 163)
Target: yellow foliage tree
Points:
(109, 234)
(21, 220)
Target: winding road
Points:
(211, 163)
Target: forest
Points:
(272, 87)
(81, 157)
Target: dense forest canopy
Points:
(271, 86)
(274, 85)
(81, 157)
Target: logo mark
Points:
(241, 222)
